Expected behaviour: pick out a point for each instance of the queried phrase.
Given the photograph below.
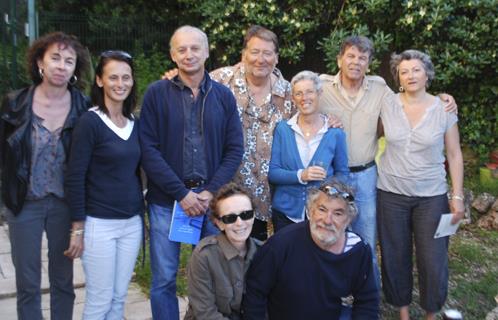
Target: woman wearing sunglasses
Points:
(217, 268)
(104, 189)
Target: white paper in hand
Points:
(445, 228)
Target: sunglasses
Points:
(232, 217)
(116, 54)
(331, 191)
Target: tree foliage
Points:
(460, 36)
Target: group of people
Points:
(239, 146)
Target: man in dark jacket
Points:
(192, 144)
(314, 269)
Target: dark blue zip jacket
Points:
(161, 138)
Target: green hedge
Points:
(459, 35)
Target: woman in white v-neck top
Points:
(104, 190)
(412, 185)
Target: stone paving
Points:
(137, 304)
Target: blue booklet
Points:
(184, 228)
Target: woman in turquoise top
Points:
(305, 151)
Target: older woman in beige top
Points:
(412, 186)
(219, 263)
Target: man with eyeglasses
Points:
(313, 269)
(192, 144)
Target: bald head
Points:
(189, 50)
(189, 30)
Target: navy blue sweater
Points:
(292, 278)
(102, 178)
(162, 134)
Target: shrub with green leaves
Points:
(460, 36)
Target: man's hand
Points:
(449, 103)
(170, 74)
(334, 122)
(313, 173)
(192, 205)
(205, 197)
(76, 246)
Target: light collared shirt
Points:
(306, 149)
(359, 115)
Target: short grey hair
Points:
(396, 59)
(313, 193)
(363, 44)
(307, 75)
(187, 28)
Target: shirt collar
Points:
(229, 251)
(292, 122)
(336, 81)
(202, 86)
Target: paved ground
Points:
(137, 304)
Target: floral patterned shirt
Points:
(258, 123)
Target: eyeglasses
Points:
(301, 94)
(116, 54)
(232, 217)
(331, 191)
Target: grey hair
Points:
(396, 59)
(313, 193)
(363, 44)
(307, 75)
(187, 28)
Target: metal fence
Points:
(97, 33)
(102, 33)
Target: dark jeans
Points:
(25, 230)
(400, 219)
(279, 220)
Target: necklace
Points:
(310, 131)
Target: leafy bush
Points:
(460, 36)
(149, 68)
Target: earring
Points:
(73, 79)
(401, 89)
(40, 73)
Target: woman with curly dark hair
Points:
(35, 133)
